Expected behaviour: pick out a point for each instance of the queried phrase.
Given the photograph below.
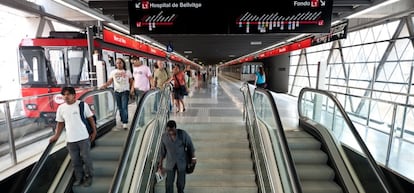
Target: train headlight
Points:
(31, 106)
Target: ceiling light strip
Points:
(79, 9)
(382, 4)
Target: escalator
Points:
(323, 153)
(106, 157)
(311, 162)
(114, 153)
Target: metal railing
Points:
(25, 123)
(102, 103)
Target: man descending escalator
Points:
(77, 137)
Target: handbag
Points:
(190, 166)
(182, 88)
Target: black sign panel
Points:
(230, 17)
(337, 32)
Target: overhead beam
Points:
(121, 17)
(109, 4)
(111, 11)
(352, 2)
(342, 9)
(36, 9)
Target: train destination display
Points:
(220, 17)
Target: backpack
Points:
(84, 119)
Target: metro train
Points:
(244, 71)
(47, 64)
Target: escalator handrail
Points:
(37, 167)
(280, 133)
(291, 170)
(380, 175)
(45, 155)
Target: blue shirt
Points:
(260, 79)
(173, 150)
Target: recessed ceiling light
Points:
(188, 51)
(256, 43)
(232, 56)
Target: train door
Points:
(77, 67)
(109, 58)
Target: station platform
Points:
(214, 119)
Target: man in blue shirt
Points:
(173, 149)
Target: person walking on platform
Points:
(77, 136)
(161, 77)
(142, 78)
(260, 80)
(123, 82)
(173, 143)
(180, 88)
(188, 75)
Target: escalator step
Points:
(309, 157)
(315, 172)
(304, 143)
(105, 168)
(98, 185)
(106, 153)
(114, 138)
(213, 189)
(320, 187)
(297, 134)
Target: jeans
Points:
(169, 181)
(81, 159)
(122, 99)
(156, 102)
(138, 95)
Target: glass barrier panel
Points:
(102, 105)
(32, 124)
(265, 112)
(323, 110)
(145, 115)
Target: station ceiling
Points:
(209, 49)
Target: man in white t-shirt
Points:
(142, 78)
(77, 137)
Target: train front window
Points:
(33, 67)
(78, 66)
(56, 61)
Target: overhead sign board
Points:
(337, 32)
(235, 17)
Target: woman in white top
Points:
(123, 81)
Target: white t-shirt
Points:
(75, 128)
(141, 77)
(121, 79)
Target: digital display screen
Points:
(237, 17)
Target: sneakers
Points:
(87, 181)
(125, 126)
